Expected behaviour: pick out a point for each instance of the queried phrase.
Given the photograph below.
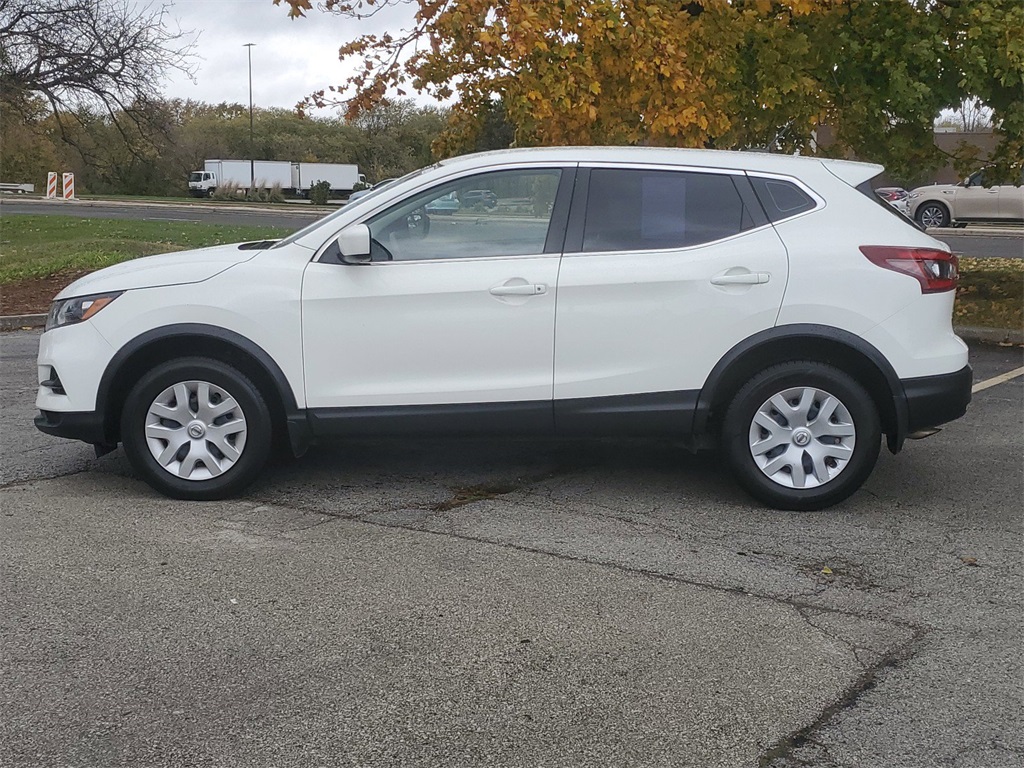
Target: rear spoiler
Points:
(853, 173)
(859, 176)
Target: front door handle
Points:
(744, 278)
(530, 289)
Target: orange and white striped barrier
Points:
(69, 186)
(51, 185)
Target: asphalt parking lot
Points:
(487, 603)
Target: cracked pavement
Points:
(506, 603)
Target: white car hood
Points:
(178, 268)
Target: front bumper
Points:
(935, 400)
(87, 426)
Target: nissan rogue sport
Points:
(769, 305)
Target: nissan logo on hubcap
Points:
(801, 437)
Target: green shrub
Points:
(226, 191)
(319, 192)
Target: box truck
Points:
(342, 178)
(294, 178)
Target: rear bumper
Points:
(935, 400)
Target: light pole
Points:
(252, 158)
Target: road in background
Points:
(981, 242)
(965, 242)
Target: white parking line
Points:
(998, 379)
(167, 218)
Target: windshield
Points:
(194, 176)
(347, 208)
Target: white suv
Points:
(943, 204)
(717, 298)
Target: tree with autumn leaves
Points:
(700, 73)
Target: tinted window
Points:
(781, 199)
(865, 189)
(506, 213)
(633, 209)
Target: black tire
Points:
(936, 213)
(256, 439)
(211, 192)
(739, 429)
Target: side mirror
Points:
(354, 244)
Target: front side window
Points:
(636, 209)
(503, 213)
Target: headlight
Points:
(914, 195)
(71, 311)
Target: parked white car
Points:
(768, 304)
(941, 205)
(897, 197)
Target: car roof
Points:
(712, 158)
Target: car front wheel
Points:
(933, 215)
(802, 435)
(195, 428)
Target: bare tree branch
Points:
(89, 54)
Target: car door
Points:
(664, 271)
(453, 310)
(975, 201)
(1011, 200)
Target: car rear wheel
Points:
(933, 215)
(802, 435)
(195, 428)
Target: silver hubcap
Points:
(195, 430)
(802, 437)
(932, 216)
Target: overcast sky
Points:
(291, 58)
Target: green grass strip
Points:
(40, 246)
(991, 293)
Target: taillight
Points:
(936, 271)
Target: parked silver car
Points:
(943, 204)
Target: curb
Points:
(965, 332)
(19, 322)
(976, 231)
(990, 335)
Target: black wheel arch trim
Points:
(295, 419)
(793, 332)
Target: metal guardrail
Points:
(21, 189)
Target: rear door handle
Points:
(530, 289)
(745, 278)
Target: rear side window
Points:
(868, 191)
(781, 199)
(634, 209)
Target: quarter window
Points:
(781, 199)
(505, 213)
(635, 209)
